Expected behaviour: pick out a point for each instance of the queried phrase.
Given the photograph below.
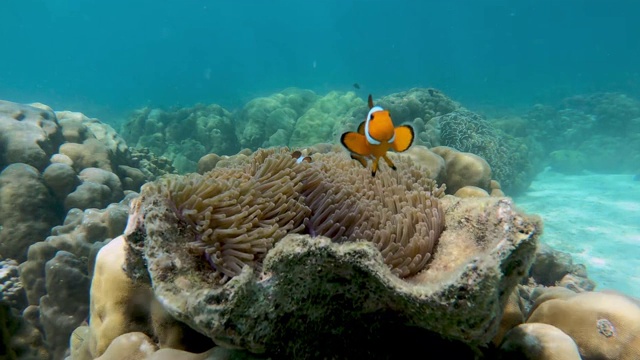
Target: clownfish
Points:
(377, 135)
(300, 157)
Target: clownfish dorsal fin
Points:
(370, 101)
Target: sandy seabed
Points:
(594, 217)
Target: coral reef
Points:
(182, 135)
(57, 273)
(418, 107)
(270, 121)
(466, 131)
(27, 210)
(51, 162)
(338, 287)
(326, 119)
(592, 129)
(19, 339)
(292, 117)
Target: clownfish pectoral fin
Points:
(356, 143)
(370, 101)
(389, 162)
(403, 138)
(361, 128)
(360, 159)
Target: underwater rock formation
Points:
(347, 291)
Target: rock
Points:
(344, 292)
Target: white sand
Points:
(596, 218)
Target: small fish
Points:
(377, 135)
(300, 157)
(356, 85)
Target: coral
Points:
(600, 126)
(11, 290)
(433, 163)
(98, 189)
(538, 342)
(237, 214)
(266, 121)
(466, 131)
(603, 325)
(66, 303)
(116, 303)
(463, 169)
(119, 305)
(470, 191)
(612, 112)
(27, 210)
(29, 134)
(61, 179)
(151, 165)
(130, 346)
(182, 135)
(326, 119)
(418, 107)
(314, 296)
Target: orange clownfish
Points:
(375, 136)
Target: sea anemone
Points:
(237, 213)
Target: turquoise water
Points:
(552, 89)
(106, 58)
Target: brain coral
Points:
(237, 213)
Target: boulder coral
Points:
(603, 325)
(184, 134)
(418, 107)
(466, 131)
(269, 121)
(327, 118)
(345, 277)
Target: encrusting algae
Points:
(238, 213)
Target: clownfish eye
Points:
(371, 118)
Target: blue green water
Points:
(106, 58)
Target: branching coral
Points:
(238, 213)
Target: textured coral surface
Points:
(312, 296)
